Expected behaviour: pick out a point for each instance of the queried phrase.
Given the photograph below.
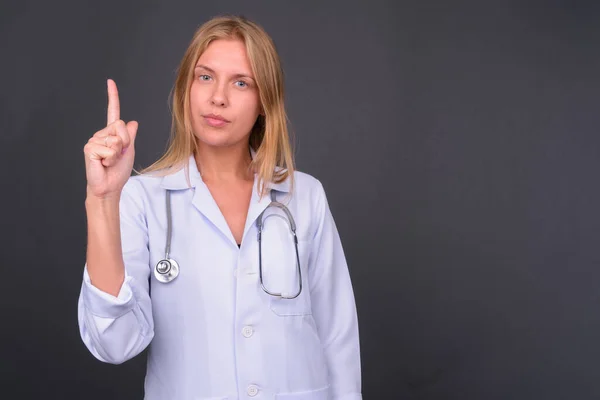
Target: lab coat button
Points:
(235, 272)
(252, 390)
(247, 331)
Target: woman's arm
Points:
(114, 308)
(104, 258)
(334, 308)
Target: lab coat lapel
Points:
(206, 204)
(257, 206)
(202, 200)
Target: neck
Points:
(224, 164)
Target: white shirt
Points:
(213, 332)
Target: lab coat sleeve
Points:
(116, 329)
(333, 306)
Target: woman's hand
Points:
(109, 154)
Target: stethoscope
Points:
(167, 269)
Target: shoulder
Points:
(309, 203)
(309, 195)
(307, 186)
(140, 184)
(140, 190)
(306, 180)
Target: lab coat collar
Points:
(205, 203)
(178, 181)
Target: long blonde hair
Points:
(269, 137)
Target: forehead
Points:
(227, 56)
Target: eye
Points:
(243, 84)
(204, 77)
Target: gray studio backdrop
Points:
(457, 142)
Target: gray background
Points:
(457, 143)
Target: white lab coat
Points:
(213, 332)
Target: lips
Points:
(215, 117)
(215, 120)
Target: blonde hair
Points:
(269, 136)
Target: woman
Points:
(254, 298)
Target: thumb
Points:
(132, 127)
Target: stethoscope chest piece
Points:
(166, 270)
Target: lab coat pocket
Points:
(319, 394)
(281, 276)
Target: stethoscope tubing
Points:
(167, 269)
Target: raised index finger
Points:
(114, 108)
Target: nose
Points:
(219, 96)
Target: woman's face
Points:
(224, 101)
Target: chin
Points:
(222, 142)
(217, 140)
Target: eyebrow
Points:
(213, 72)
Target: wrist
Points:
(108, 200)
